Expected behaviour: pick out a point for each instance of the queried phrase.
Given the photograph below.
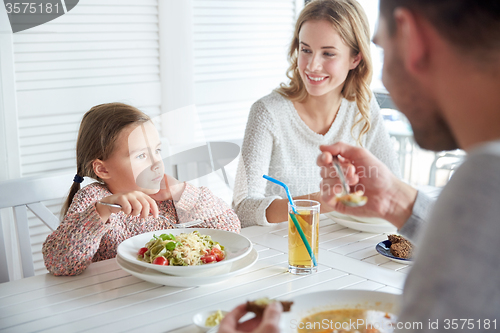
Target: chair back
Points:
(28, 193)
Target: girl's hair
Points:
(349, 20)
(98, 132)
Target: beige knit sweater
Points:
(278, 143)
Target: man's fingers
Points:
(348, 152)
(273, 312)
(324, 159)
(271, 318)
(231, 319)
(330, 188)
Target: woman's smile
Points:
(316, 79)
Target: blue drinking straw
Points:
(294, 219)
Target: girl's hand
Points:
(134, 203)
(171, 189)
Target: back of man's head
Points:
(473, 26)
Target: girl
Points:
(327, 100)
(119, 147)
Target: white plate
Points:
(153, 276)
(366, 227)
(235, 245)
(307, 304)
(372, 220)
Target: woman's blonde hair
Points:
(349, 20)
(99, 129)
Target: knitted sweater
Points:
(82, 238)
(278, 143)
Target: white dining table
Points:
(105, 298)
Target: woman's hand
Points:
(171, 189)
(135, 203)
(268, 323)
(388, 197)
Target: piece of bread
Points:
(400, 247)
(258, 306)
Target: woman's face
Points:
(136, 164)
(324, 59)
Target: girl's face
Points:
(136, 164)
(324, 59)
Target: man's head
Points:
(427, 43)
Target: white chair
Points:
(205, 159)
(28, 193)
(446, 160)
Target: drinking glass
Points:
(307, 216)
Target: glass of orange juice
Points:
(299, 260)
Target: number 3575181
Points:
(31, 8)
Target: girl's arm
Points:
(201, 204)
(70, 248)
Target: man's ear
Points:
(355, 60)
(414, 45)
(100, 169)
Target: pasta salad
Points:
(182, 250)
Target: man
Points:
(442, 68)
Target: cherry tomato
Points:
(219, 255)
(142, 251)
(208, 258)
(160, 261)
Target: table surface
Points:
(107, 299)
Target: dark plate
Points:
(384, 249)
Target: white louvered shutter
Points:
(240, 55)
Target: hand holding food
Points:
(388, 197)
(267, 323)
(259, 305)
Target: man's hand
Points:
(388, 197)
(268, 323)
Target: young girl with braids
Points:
(119, 147)
(327, 100)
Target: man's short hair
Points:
(471, 25)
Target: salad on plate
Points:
(186, 249)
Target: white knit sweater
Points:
(278, 143)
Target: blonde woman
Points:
(327, 100)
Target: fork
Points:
(177, 226)
(345, 187)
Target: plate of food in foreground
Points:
(344, 311)
(348, 221)
(183, 252)
(150, 275)
(396, 248)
